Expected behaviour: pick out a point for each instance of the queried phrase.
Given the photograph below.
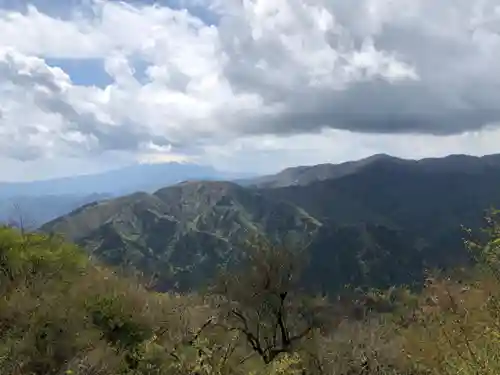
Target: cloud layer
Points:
(202, 75)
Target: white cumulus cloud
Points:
(316, 79)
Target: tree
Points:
(19, 219)
(261, 299)
(485, 248)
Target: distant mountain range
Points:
(375, 222)
(127, 180)
(32, 211)
(42, 201)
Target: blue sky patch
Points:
(140, 67)
(83, 72)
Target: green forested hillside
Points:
(182, 233)
(385, 222)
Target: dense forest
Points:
(64, 313)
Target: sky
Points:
(244, 85)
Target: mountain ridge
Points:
(44, 200)
(303, 175)
(388, 222)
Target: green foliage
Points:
(456, 327)
(119, 325)
(63, 314)
(486, 247)
(26, 255)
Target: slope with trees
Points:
(181, 233)
(384, 222)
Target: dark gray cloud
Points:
(453, 47)
(379, 107)
(264, 67)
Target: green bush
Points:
(119, 325)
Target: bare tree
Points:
(261, 299)
(19, 219)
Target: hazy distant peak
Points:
(126, 180)
(377, 157)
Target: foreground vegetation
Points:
(60, 313)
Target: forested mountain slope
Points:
(384, 223)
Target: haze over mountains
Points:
(41, 201)
(141, 177)
(375, 222)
